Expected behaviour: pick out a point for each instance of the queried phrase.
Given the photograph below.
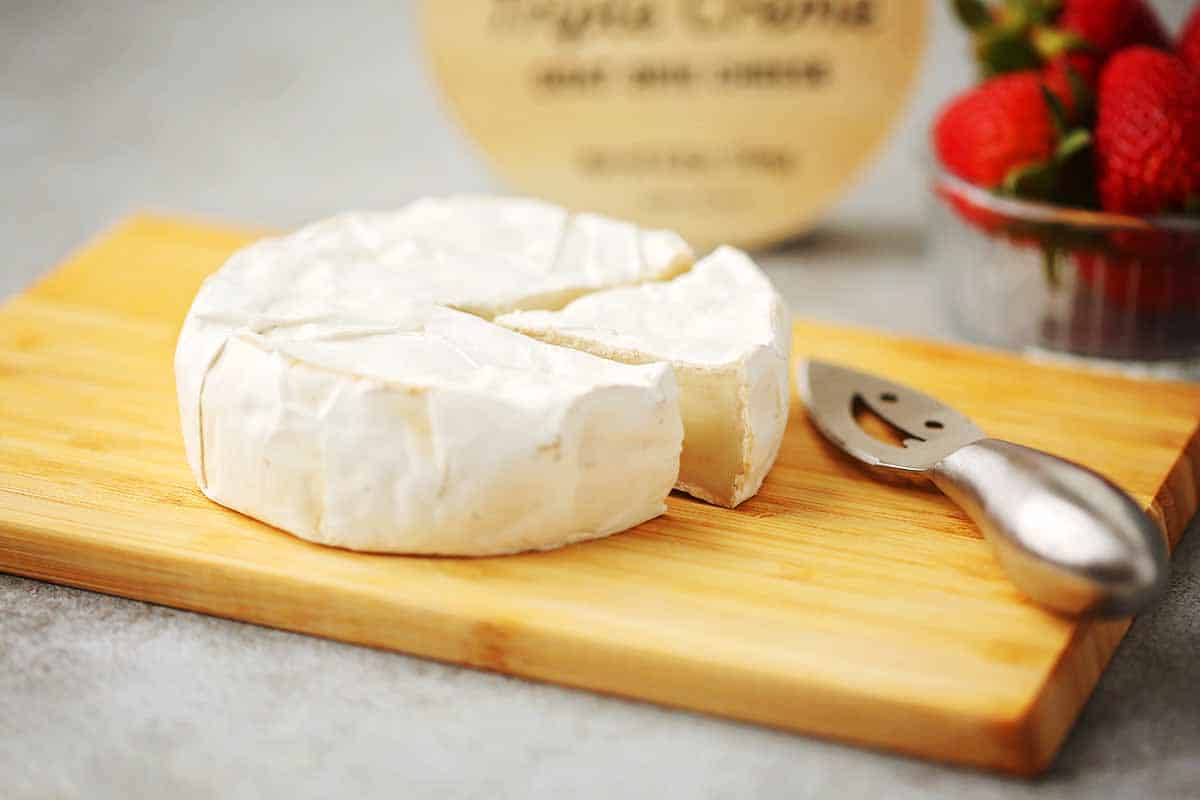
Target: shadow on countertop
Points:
(856, 241)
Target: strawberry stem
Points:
(1058, 114)
(1052, 42)
(1050, 264)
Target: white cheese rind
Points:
(513, 445)
(725, 330)
(324, 390)
(483, 255)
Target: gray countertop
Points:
(273, 116)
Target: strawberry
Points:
(1060, 69)
(1148, 163)
(1010, 134)
(1150, 269)
(1003, 124)
(1148, 134)
(1142, 284)
(1111, 25)
(1082, 34)
(1188, 46)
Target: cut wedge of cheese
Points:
(328, 385)
(725, 330)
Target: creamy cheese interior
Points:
(724, 330)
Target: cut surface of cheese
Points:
(724, 329)
(328, 385)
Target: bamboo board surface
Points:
(830, 604)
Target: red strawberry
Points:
(1146, 285)
(1059, 69)
(1152, 270)
(1188, 46)
(1009, 135)
(1112, 25)
(1027, 34)
(1001, 125)
(1148, 133)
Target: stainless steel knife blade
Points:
(1068, 537)
(934, 430)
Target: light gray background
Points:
(277, 113)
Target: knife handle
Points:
(1068, 537)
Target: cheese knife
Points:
(1067, 537)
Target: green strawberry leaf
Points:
(974, 14)
(1192, 204)
(1001, 51)
(1015, 15)
(1038, 12)
(1072, 145)
(1082, 96)
(1051, 262)
(1037, 181)
(1077, 181)
(1058, 114)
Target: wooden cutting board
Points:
(830, 604)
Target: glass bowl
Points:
(1120, 291)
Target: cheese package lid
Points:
(730, 121)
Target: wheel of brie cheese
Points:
(725, 330)
(347, 384)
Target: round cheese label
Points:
(727, 120)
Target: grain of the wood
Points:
(829, 604)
